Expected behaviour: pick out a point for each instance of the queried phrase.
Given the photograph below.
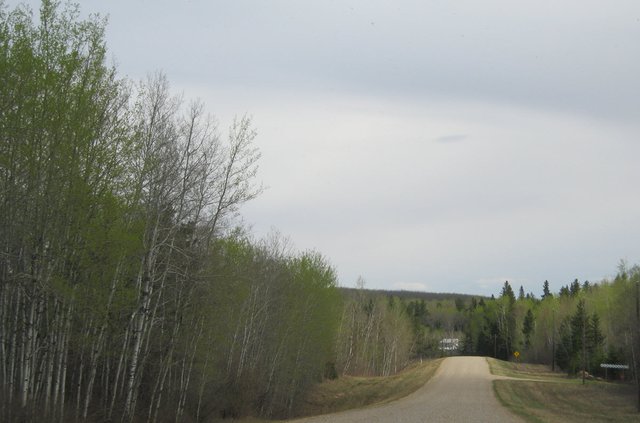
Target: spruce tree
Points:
(521, 293)
(528, 328)
(507, 292)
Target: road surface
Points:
(460, 391)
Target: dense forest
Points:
(578, 328)
(129, 291)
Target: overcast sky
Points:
(440, 146)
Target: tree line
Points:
(578, 328)
(126, 291)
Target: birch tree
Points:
(62, 132)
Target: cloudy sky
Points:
(428, 145)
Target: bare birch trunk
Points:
(13, 355)
(118, 383)
(185, 379)
(98, 344)
(64, 356)
(138, 335)
(27, 367)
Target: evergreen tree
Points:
(507, 292)
(595, 343)
(528, 326)
(574, 289)
(581, 341)
(521, 293)
(546, 293)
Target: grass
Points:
(553, 397)
(525, 371)
(350, 392)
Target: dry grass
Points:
(350, 392)
(525, 371)
(556, 398)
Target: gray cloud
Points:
(451, 138)
(549, 92)
(577, 57)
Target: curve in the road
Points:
(460, 391)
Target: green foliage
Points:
(459, 304)
(574, 289)
(507, 292)
(376, 336)
(546, 292)
(581, 341)
(275, 325)
(521, 295)
(528, 326)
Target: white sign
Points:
(614, 366)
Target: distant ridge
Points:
(411, 295)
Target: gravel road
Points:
(460, 391)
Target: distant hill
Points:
(412, 295)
